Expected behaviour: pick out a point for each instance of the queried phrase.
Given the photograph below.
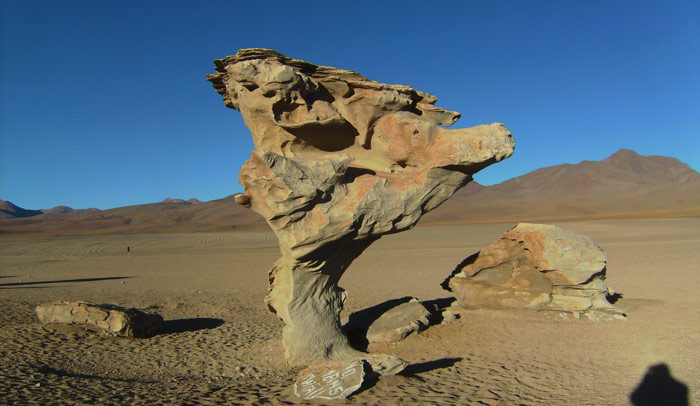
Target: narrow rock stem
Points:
(305, 294)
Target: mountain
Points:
(175, 201)
(58, 210)
(11, 211)
(625, 184)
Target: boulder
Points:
(106, 318)
(339, 161)
(399, 322)
(536, 267)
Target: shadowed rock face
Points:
(340, 160)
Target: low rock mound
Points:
(536, 267)
(106, 318)
(399, 322)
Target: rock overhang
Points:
(385, 128)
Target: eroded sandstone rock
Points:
(339, 161)
(536, 267)
(110, 319)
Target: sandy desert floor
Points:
(221, 346)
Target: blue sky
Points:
(105, 103)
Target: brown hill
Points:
(8, 210)
(58, 210)
(625, 184)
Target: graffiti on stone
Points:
(330, 380)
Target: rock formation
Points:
(536, 267)
(109, 319)
(339, 161)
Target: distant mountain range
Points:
(624, 185)
(167, 216)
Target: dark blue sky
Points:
(105, 103)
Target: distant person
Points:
(128, 249)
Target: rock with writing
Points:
(339, 161)
(106, 318)
(330, 380)
(536, 267)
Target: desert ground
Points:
(220, 344)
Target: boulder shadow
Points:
(467, 261)
(436, 307)
(421, 367)
(109, 278)
(47, 370)
(613, 298)
(410, 373)
(185, 325)
(658, 387)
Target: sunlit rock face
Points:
(339, 161)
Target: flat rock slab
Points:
(399, 322)
(385, 364)
(110, 319)
(330, 380)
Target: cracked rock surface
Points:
(339, 161)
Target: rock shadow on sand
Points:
(410, 373)
(47, 370)
(186, 325)
(436, 308)
(421, 367)
(25, 284)
(658, 387)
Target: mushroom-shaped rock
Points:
(339, 161)
(536, 267)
